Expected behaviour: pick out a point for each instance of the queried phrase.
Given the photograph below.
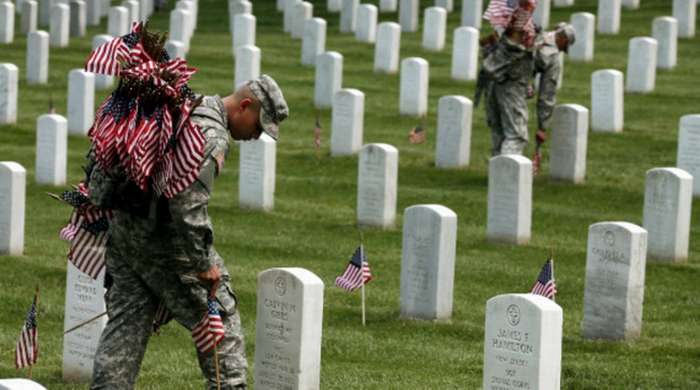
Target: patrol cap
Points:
(568, 31)
(273, 107)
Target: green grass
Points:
(312, 225)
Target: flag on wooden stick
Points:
(417, 135)
(357, 273)
(27, 349)
(544, 285)
(317, 137)
(209, 332)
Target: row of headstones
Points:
(183, 23)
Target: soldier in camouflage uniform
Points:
(162, 250)
(506, 72)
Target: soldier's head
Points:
(565, 36)
(256, 107)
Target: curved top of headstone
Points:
(52, 118)
(539, 302)
(388, 25)
(20, 384)
(690, 120)
(607, 72)
(379, 147)
(436, 9)
(264, 138)
(61, 6)
(573, 107)
(459, 98)
(248, 48)
(467, 28)
(316, 20)
(349, 91)
(301, 275)
(665, 19)
(82, 72)
(627, 227)
(436, 209)
(415, 60)
(670, 171)
(643, 40)
(582, 15)
(368, 6)
(510, 159)
(9, 66)
(11, 167)
(120, 8)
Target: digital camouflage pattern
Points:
(548, 67)
(274, 108)
(156, 249)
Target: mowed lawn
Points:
(313, 222)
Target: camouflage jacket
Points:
(175, 233)
(546, 58)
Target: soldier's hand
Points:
(541, 136)
(213, 276)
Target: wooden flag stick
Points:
(80, 325)
(362, 266)
(216, 364)
(36, 308)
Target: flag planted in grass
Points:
(209, 332)
(27, 349)
(417, 135)
(545, 285)
(357, 272)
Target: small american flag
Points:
(357, 272)
(545, 285)
(27, 349)
(209, 332)
(499, 12)
(317, 133)
(417, 135)
(107, 58)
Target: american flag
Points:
(516, 14)
(417, 135)
(317, 133)
(107, 58)
(357, 272)
(545, 285)
(27, 349)
(209, 332)
(499, 12)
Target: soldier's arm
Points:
(547, 95)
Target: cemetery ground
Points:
(313, 221)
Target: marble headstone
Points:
(37, 57)
(688, 157)
(288, 19)
(386, 50)
(366, 30)
(256, 180)
(247, 64)
(428, 262)
(641, 65)
(584, 25)
(175, 49)
(179, 26)
(471, 13)
(567, 157)
(243, 31)
(388, 5)
(329, 78)
(238, 7)
(377, 182)
(408, 15)
(630, 4)
(448, 5)
(413, 100)
(81, 101)
(609, 16)
(665, 31)
(454, 131)
(314, 41)
(9, 74)
(13, 179)
(348, 15)
(302, 12)
(347, 122)
(614, 293)
(333, 5)
(288, 329)
(509, 199)
(465, 53)
(30, 12)
(7, 22)
(94, 12)
(563, 3)
(78, 18)
(434, 25)
(541, 15)
(685, 12)
(118, 21)
(19, 384)
(51, 149)
(133, 7)
(59, 25)
(607, 101)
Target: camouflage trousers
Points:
(132, 302)
(507, 116)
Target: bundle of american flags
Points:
(87, 231)
(27, 349)
(515, 15)
(544, 285)
(144, 125)
(209, 332)
(357, 273)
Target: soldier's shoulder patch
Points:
(220, 157)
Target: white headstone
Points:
(567, 158)
(288, 20)
(471, 13)
(522, 343)
(465, 53)
(78, 18)
(45, 11)
(347, 122)
(84, 300)
(12, 197)
(102, 81)
(510, 199)
(428, 262)
(189, 5)
(247, 64)
(94, 12)
(607, 101)
(685, 11)
(584, 25)
(386, 50)
(244, 29)
(280, 5)
(434, 25)
(59, 26)
(51, 149)
(447, 5)
(20, 384)
(118, 21)
(175, 49)
(563, 3)
(377, 182)
(541, 15)
(333, 5)
(146, 8)
(179, 26)
(288, 329)
(30, 11)
(641, 65)
(314, 40)
(104, 9)
(81, 101)
(688, 157)
(238, 7)
(665, 31)
(630, 4)
(256, 180)
(609, 16)
(408, 15)
(328, 79)
(348, 15)
(454, 131)
(133, 7)
(7, 22)
(615, 263)
(302, 12)
(366, 30)
(668, 199)
(9, 74)
(413, 100)
(387, 5)
(37, 57)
